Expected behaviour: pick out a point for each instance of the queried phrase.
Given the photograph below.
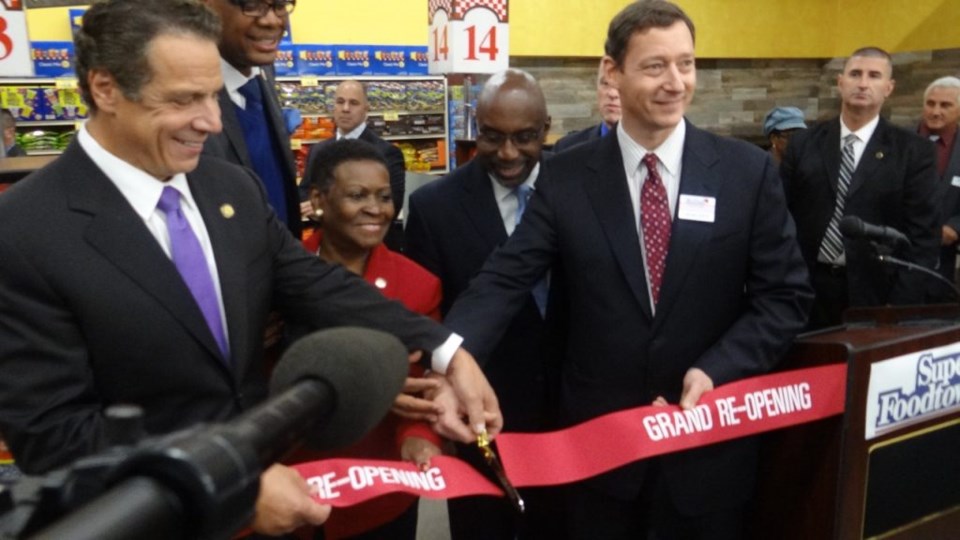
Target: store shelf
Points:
(376, 113)
(414, 137)
(401, 109)
(44, 152)
(49, 123)
(30, 81)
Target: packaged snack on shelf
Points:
(24, 102)
(52, 58)
(66, 104)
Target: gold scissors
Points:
(483, 443)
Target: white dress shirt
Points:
(233, 80)
(863, 136)
(507, 201)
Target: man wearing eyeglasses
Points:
(453, 225)
(254, 133)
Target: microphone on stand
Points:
(856, 228)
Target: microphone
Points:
(331, 387)
(854, 227)
(366, 370)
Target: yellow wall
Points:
(725, 28)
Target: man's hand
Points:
(949, 236)
(695, 383)
(450, 423)
(419, 451)
(474, 396)
(284, 503)
(409, 405)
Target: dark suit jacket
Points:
(734, 295)
(93, 313)
(395, 165)
(894, 185)
(948, 193)
(16, 151)
(230, 145)
(572, 139)
(453, 226)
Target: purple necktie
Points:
(190, 262)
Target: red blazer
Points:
(401, 279)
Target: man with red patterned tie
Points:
(677, 270)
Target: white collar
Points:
(864, 133)
(137, 186)
(501, 192)
(670, 152)
(356, 132)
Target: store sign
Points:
(913, 388)
(14, 44)
(468, 36)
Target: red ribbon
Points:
(735, 410)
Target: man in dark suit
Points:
(941, 112)
(608, 103)
(350, 109)
(151, 280)
(254, 132)
(668, 289)
(861, 165)
(453, 226)
(8, 128)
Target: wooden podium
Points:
(825, 480)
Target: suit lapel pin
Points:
(227, 210)
(879, 154)
(380, 283)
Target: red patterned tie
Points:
(655, 223)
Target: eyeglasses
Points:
(497, 138)
(259, 8)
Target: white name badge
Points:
(697, 208)
(955, 181)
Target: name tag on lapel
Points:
(955, 182)
(697, 208)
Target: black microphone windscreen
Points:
(851, 226)
(366, 369)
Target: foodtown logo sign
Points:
(912, 388)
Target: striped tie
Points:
(831, 250)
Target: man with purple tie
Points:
(135, 270)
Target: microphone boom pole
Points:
(330, 388)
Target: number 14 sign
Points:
(468, 36)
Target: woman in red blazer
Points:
(350, 191)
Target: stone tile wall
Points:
(733, 95)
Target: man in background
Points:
(941, 111)
(453, 226)
(350, 110)
(174, 261)
(254, 130)
(9, 125)
(861, 165)
(778, 126)
(680, 272)
(608, 103)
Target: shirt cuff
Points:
(442, 355)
